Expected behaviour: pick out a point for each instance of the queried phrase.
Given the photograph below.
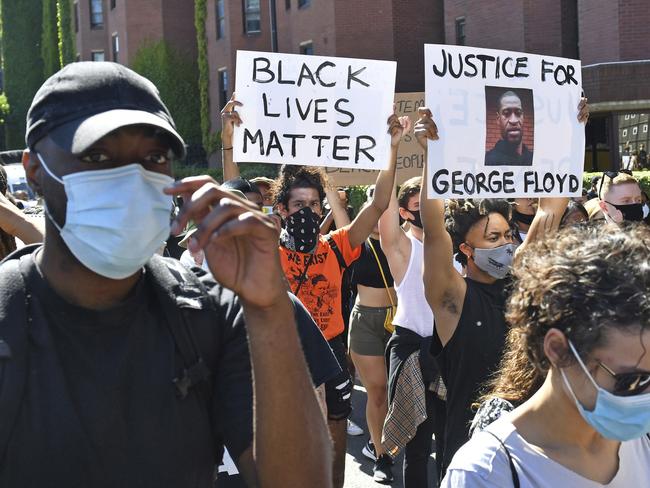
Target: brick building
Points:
(373, 29)
(114, 30)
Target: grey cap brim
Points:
(77, 136)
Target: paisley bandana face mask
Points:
(302, 229)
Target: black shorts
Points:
(338, 390)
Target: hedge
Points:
(23, 64)
(210, 142)
(66, 38)
(49, 39)
(175, 76)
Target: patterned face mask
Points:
(304, 227)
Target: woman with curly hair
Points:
(470, 327)
(578, 355)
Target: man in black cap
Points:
(120, 369)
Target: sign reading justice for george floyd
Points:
(507, 123)
(313, 110)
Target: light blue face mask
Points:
(614, 417)
(116, 219)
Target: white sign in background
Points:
(313, 110)
(456, 162)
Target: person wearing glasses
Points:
(578, 353)
(621, 198)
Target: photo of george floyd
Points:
(509, 126)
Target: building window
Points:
(307, 48)
(97, 56)
(78, 58)
(303, 3)
(76, 17)
(115, 44)
(645, 128)
(635, 130)
(460, 31)
(96, 14)
(113, 4)
(221, 19)
(624, 132)
(252, 17)
(223, 86)
(287, 4)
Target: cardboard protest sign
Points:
(410, 156)
(313, 110)
(507, 123)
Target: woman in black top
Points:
(370, 329)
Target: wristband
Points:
(226, 148)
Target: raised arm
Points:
(241, 246)
(444, 288)
(339, 212)
(394, 243)
(362, 225)
(229, 118)
(15, 223)
(550, 210)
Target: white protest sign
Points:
(507, 123)
(313, 110)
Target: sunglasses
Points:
(628, 384)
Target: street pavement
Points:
(358, 468)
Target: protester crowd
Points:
(512, 331)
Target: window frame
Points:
(93, 15)
(304, 3)
(99, 51)
(222, 73)
(219, 20)
(461, 36)
(306, 45)
(115, 47)
(246, 12)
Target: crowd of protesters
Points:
(184, 333)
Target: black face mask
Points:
(304, 227)
(417, 220)
(522, 218)
(631, 213)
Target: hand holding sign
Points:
(229, 120)
(425, 128)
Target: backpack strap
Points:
(513, 470)
(337, 252)
(14, 363)
(179, 289)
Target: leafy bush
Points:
(49, 39)
(66, 39)
(175, 76)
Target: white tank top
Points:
(413, 311)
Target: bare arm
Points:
(362, 225)
(229, 118)
(550, 210)
(444, 288)
(394, 243)
(339, 212)
(15, 223)
(244, 242)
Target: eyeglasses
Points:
(628, 384)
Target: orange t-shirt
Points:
(320, 292)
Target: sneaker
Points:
(381, 473)
(369, 451)
(354, 429)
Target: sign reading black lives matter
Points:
(507, 123)
(313, 110)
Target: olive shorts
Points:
(368, 337)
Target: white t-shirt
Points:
(483, 463)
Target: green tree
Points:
(23, 64)
(49, 39)
(66, 40)
(175, 76)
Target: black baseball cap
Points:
(85, 101)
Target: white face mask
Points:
(116, 219)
